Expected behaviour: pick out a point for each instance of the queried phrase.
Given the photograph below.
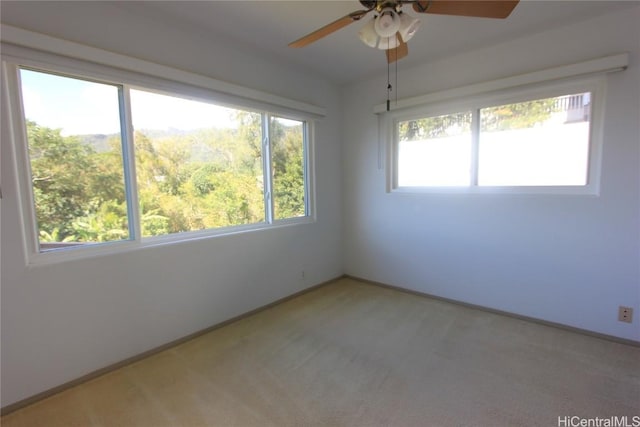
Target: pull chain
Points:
(396, 64)
(389, 88)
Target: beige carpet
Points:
(355, 354)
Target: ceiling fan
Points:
(391, 28)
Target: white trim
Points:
(25, 38)
(267, 168)
(605, 64)
(98, 249)
(310, 170)
(129, 161)
(475, 146)
(13, 106)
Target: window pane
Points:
(287, 159)
(75, 153)
(435, 151)
(541, 142)
(198, 165)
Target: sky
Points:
(81, 107)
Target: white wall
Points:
(566, 259)
(62, 321)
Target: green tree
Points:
(57, 166)
(516, 116)
(202, 179)
(288, 169)
(186, 181)
(73, 185)
(250, 132)
(105, 223)
(435, 127)
(503, 117)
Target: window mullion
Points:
(128, 159)
(267, 167)
(475, 146)
(306, 168)
(21, 152)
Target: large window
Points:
(533, 143)
(111, 162)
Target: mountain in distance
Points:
(201, 149)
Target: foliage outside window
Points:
(198, 165)
(77, 173)
(543, 142)
(288, 164)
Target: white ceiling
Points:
(266, 27)
(269, 26)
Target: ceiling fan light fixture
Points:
(368, 34)
(408, 26)
(387, 43)
(388, 23)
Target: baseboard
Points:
(502, 313)
(102, 371)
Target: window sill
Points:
(95, 250)
(577, 190)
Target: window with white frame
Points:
(105, 161)
(541, 139)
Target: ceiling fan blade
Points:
(397, 53)
(329, 28)
(476, 8)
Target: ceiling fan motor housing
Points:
(369, 4)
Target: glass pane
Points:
(198, 165)
(287, 159)
(541, 142)
(75, 151)
(435, 151)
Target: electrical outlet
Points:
(625, 314)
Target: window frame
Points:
(126, 80)
(596, 85)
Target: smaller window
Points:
(536, 142)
